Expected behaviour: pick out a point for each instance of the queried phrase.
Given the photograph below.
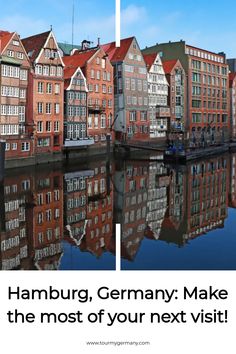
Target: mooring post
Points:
(2, 159)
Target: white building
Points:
(157, 96)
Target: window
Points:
(21, 114)
(48, 108)
(57, 89)
(48, 126)
(103, 62)
(59, 71)
(40, 107)
(22, 93)
(10, 53)
(56, 126)
(10, 71)
(23, 74)
(96, 121)
(103, 121)
(7, 147)
(53, 71)
(39, 126)
(43, 142)
(25, 146)
(89, 121)
(14, 146)
(45, 70)
(57, 108)
(49, 88)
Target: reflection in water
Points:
(56, 219)
(50, 217)
(164, 209)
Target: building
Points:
(157, 205)
(130, 204)
(15, 239)
(47, 219)
(159, 112)
(131, 93)
(232, 90)
(14, 80)
(232, 64)
(99, 228)
(98, 72)
(208, 120)
(75, 204)
(75, 100)
(46, 93)
(232, 192)
(176, 97)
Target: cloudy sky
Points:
(208, 24)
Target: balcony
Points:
(162, 112)
(94, 108)
(78, 142)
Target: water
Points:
(172, 217)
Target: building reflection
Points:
(232, 192)
(173, 204)
(42, 209)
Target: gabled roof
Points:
(232, 76)
(149, 59)
(67, 48)
(5, 38)
(168, 65)
(79, 59)
(34, 44)
(117, 53)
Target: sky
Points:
(208, 24)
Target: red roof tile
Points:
(117, 53)
(79, 59)
(168, 65)
(35, 43)
(149, 59)
(5, 38)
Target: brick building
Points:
(157, 96)
(208, 120)
(232, 90)
(131, 93)
(46, 93)
(15, 240)
(14, 79)
(177, 97)
(98, 73)
(99, 228)
(232, 192)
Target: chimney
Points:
(98, 42)
(85, 44)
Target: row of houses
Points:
(55, 96)
(45, 214)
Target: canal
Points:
(172, 217)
